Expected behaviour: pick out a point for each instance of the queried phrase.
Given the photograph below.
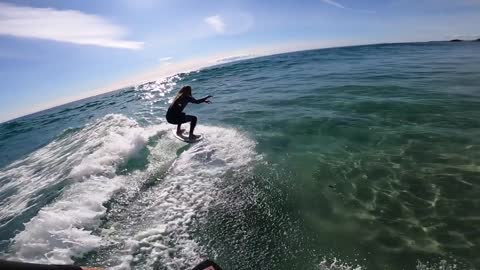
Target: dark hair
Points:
(184, 91)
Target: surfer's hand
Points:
(208, 101)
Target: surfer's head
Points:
(184, 92)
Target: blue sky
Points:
(54, 51)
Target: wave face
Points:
(348, 158)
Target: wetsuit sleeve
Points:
(9, 265)
(196, 101)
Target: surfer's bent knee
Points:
(192, 118)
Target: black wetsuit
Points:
(175, 114)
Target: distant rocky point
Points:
(462, 40)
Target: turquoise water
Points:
(360, 157)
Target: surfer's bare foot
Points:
(180, 132)
(193, 137)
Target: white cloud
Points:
(333, 3)
(216, 23)
(165, 59)
(62, 25)
(338, 5)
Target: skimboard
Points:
(184, 137)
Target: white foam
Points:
(88, 159)
(336, 264)
(441, 265)
(51, 164)
(185, 194)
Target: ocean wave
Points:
(85, 163)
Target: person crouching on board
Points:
(175, 114)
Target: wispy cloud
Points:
(216, 23)
(165, 59)
(333, 3)
(338, 5)
(235, 58)
(69, 26)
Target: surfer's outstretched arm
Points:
(198, 101)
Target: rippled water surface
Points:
(360, 157)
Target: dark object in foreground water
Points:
(207, 265)
(10, 265)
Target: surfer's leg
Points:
(182, 118)
(193, 122)
(179, 129)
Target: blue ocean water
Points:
(361, 157)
